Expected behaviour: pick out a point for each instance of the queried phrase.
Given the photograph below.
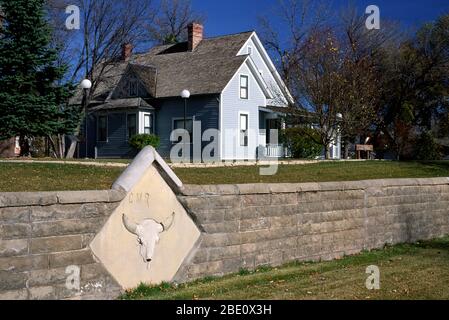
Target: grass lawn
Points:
(17, 177)
(120, 161)
(52, 176)
(407, 271)
(318, 172)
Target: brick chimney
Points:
(127, 50)
(195, 35)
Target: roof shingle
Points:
(168, 69)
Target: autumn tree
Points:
(415, 85)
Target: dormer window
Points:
(133, 88)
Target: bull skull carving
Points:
(147, 233)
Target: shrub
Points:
(426, 148)
(140, 141)
(302, 142)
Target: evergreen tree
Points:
(31, 96)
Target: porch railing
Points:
(274, 151)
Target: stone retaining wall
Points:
(246, 226)
(43, 233)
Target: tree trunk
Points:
(61, 140)
(327, 152)
(72, 148)
(24, 146)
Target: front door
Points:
(271, 124)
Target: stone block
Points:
(284, 199)
(12, 281)
(211, 216)
(70, 197)
(269, 259)
(15, 215)
(14, 294)
(223, 253)
(283, 221)
(78, 258)
(46, 277)
(24, 263)
(205, 269)
(66, 227)
(10, 248)
(21, 199)
(254, 224)
(252, 189)
(221, 239)
(15, 231)
(232, 265)
(56, 212)
(56, 244)
(284, 187)
(222, 227)
(255, 200)
(93, 271)
(42, 293)
(233, 214)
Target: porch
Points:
(270, 122)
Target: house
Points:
(233, 85)
(9, 148)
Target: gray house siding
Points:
(117, 144)
(201, 108)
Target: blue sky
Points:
(232, 16)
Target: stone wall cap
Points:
(133, 173)
(269, 188)
(21, 199)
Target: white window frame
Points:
(239, 143)
(241, 76)
(151, 116)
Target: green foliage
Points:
(426, 147)
(140, 141)
(170, 39)
(30, 91)
(302, 142)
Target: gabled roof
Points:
(129, 103)
(206, 70)
(147, 76)
(168, 69)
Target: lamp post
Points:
(339, 117)
(86, 84)
(185, 94)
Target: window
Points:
(244, 130)
(179, 124)
(148, 123)
(243, 87)
(132, 88)
(131, 124)
(102, 126)
(250, 50)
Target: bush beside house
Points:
(302, 142)
(140, 141)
